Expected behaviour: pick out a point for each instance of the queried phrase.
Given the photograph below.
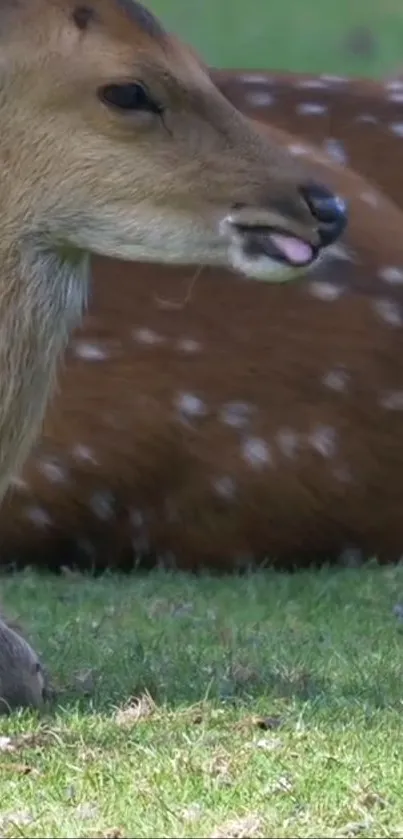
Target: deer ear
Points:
(143, 18)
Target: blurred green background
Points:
(358, 37)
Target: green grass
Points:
(307, 35)
(269, 705)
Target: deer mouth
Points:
(286, 249)
(267, 252)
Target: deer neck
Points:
(42, 297)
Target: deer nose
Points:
(328, 209)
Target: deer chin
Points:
(264, 253)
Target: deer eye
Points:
(130, 96)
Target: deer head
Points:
(118, 142)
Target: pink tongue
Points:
(294, 250)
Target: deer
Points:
(206, 422)
(117, 144)
(173, 174)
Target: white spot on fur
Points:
(89, 352)
(388, 311)
(190, 405)
(84, 453)
(335, 150)
(53, 471)
(147, 336)
(38, 516)
(396, 97)
(311, 108)
(323, 439)
(256, 452)
(101, 504)
(225, 487)
(310, 83)
(370, 198)
(336, 379)
(288, 442)
(298, 149)
(392, 400)
(334, 79)
(255, 78)
(260, 98)
(325, 291)
(367, 118)
(189, 345)
(391, 274)
(394, 84)
(236, 414)
(397, 128)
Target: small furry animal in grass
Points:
(22, 677)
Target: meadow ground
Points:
(268, 705)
